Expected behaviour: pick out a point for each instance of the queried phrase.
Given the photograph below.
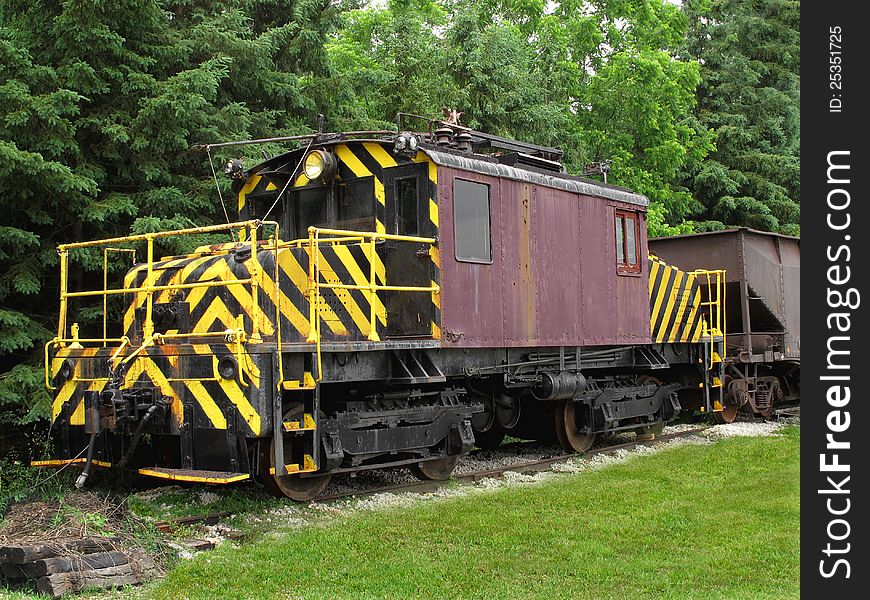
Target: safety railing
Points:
(713, 319)
(368, 241)
(317, 238)
(149, 336)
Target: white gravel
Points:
(743, 429)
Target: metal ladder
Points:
(713, 334)
(300, 427)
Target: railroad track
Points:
(422, 487)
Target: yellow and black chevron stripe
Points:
(361, 159)
(674, 303)
(189, 380)
(345, 313)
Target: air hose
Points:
(149, 414)
(80, 482)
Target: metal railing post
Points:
(373, 294)
(313, 314)
(275, 241)
(105, 293)
(64, 283)
(255, 288)
(148, 327)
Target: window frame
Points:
(624, 267)
(399, 207)
(489, 222)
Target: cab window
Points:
(471, 221)
(627, 242)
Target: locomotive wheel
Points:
(435, 470)
(732, 405)
(490, 439)
(727, 415)
(567, 431)
(488, 434)
(295, 487)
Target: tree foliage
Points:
(99, 103)
(750, 95)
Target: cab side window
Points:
(627, 242)
(471, 222)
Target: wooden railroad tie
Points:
(63, 566)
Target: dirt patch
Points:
(82, 515)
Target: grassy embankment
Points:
(696, 521)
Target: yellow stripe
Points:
(237, 397)
(216, 271)
(680, 321)
(658, 303)
(379, 154)
(421, 157)
(359, 317)
(669, 307)
(288, 309)
(653, 273)
(353, 163)
(379, 192)
(78, 415)
(139, 300)
(435, 255)
(359, 278)
(216, 311)
(249, 186)
(158, 379)
(433, 212)
(301, 181)
(63, 395)
(380, 270)
(207, 403)
(436, 296)
(300, 278)
(436, 331)
(360, 170)
(59, 462)
(696, 335)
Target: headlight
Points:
(319, 164)
(405, 143)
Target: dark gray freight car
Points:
(762, 310)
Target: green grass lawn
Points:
(711, 521)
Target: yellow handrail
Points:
(714, 322)
(371, 288)
(149, 336)
(106, 282)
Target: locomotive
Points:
(385, 299)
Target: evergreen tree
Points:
(750, 95)
(99, 103)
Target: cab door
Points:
(409, 314)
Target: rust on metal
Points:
(553, 279)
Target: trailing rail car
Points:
(762, 308)
(385, 300)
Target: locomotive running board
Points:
(195, 476)
(649, 358)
